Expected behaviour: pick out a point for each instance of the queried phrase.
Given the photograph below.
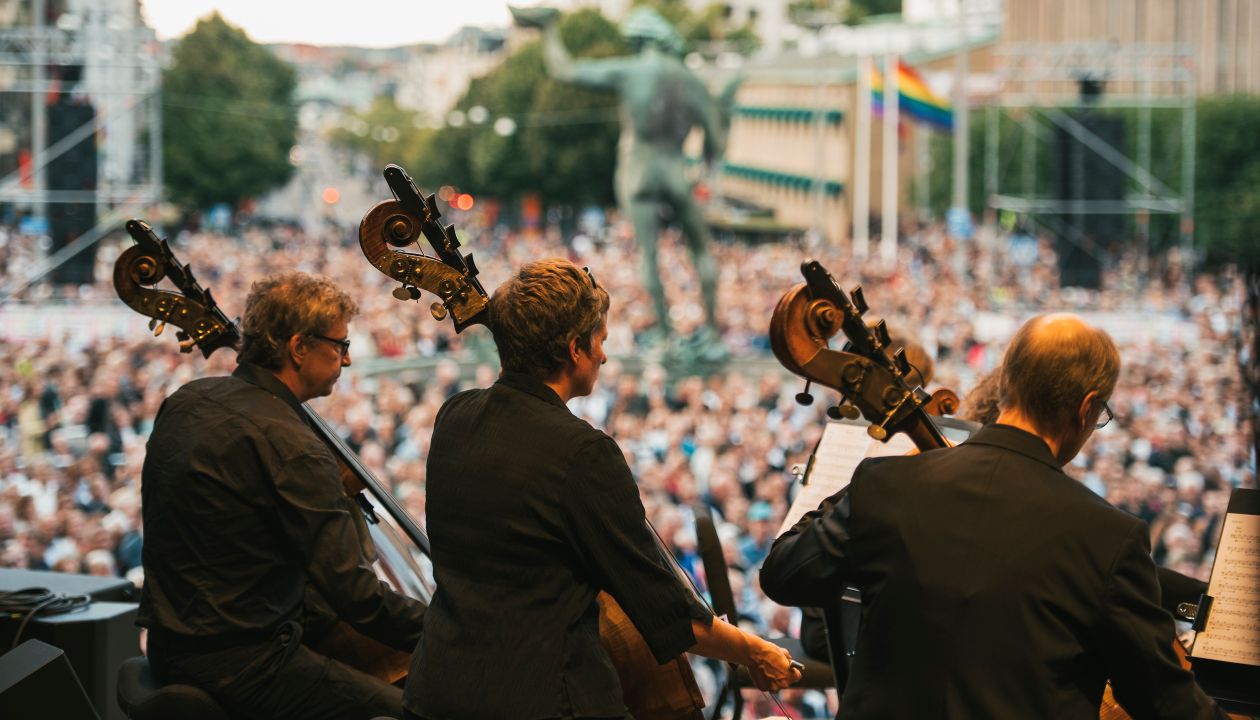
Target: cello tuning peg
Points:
(803, 397)
(413, 293)
(187, 345)
(401, 293)
(438, 311)
(157, 330)
(833, 412)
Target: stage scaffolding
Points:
(94, 56)
(1039, 85)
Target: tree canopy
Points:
(228, 117)
(562, 139)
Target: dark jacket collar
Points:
(1012, 438)
(527, 383)
(263, 378)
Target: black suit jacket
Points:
(531, 512)
(993, 586)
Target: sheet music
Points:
(842, 447)
(1233, 625)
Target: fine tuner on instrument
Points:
(202, 324)
(872, 383)
(399, 223)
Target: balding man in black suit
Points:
(993, 584)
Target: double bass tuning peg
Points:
(803, 397)
(406, 292)
(157, 326)
(844, 410)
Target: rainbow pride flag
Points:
(914, 98)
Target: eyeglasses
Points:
(590, 276)
(343, 345)
(1104, 417)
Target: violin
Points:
(872, 383)
(382, 522)
(651, 691)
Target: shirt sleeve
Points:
(314, 517)
(612, 537)
(809, 564)
(1136, 639)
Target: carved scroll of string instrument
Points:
(651, 691)
(388, 538)
(872, 383)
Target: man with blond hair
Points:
(994, 585)
(531, 513)
(242, 510)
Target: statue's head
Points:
(646, 25)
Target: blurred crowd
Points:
(75, 412)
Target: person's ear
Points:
(1086, 407)
(296, 349)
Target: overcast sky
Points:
(365, 23)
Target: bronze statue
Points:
(661, 101)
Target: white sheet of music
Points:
(1233, 625)
(842, 447)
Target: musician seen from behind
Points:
(531, 513)
(993, 584)
(242, 509)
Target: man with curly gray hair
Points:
(243, 510)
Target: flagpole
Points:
(861, 180)
(888, 214)
(961, 121)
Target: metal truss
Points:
(1038, 82)
(121, 76)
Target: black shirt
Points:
(242, 507)
(531, 512)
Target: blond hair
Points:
(536, 313)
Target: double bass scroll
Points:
(399, 223)
(871, 382)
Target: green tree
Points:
(851, 12)
(707, 28)
(563, 145)
(1227, 180)
(228, 117)
(385, 132)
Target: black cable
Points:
(30, 602)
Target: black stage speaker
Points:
(115, 589)
(37, 683)
(96, 640)
(72, 169)
(1080, 173)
